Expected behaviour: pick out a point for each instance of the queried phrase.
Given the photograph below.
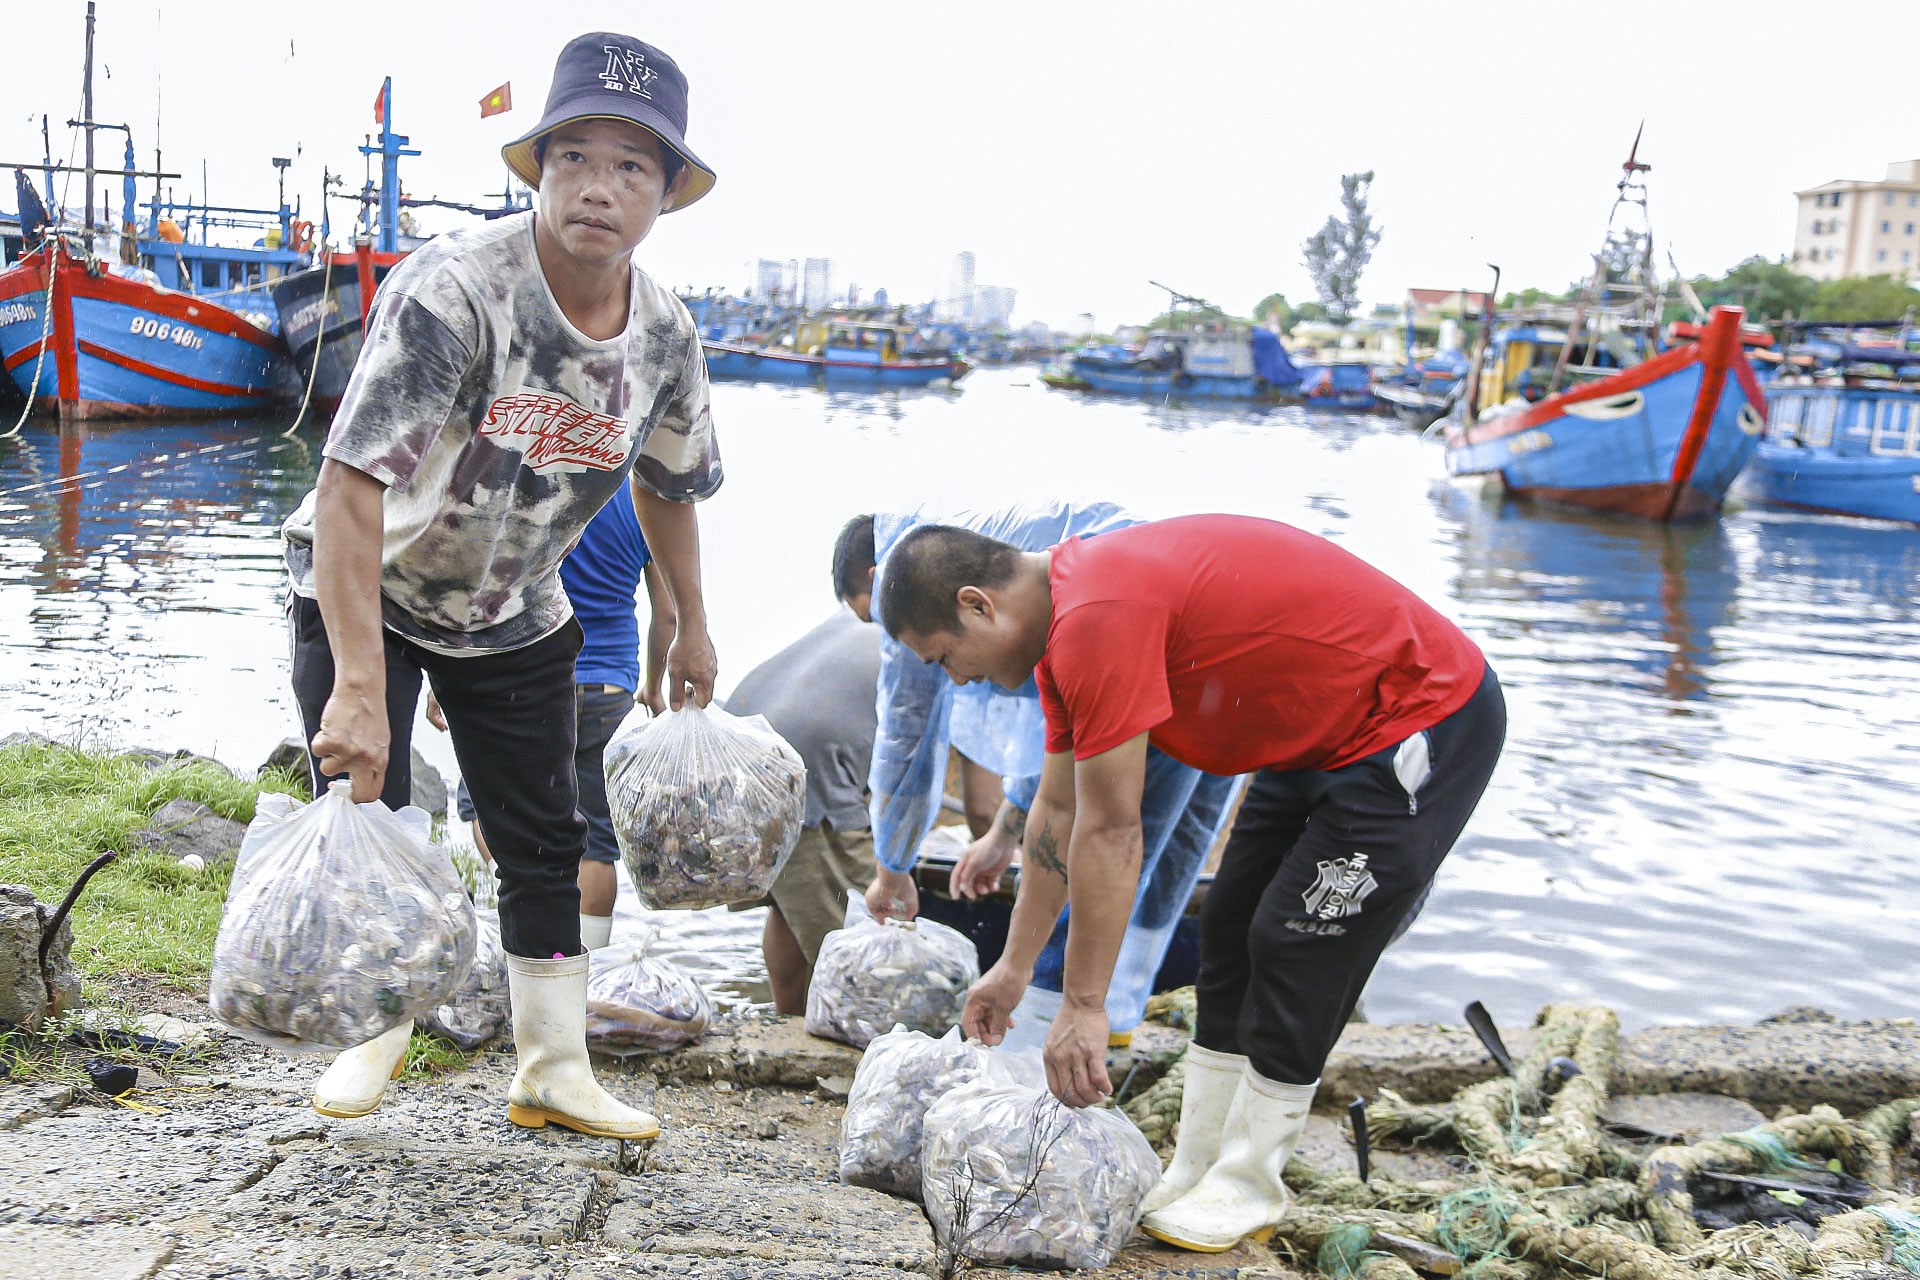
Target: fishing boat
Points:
(178, 326)
(1612, 422)
(1844, 436)
(838, 352)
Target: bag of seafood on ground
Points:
(1010, 1175)
(872, 974)
(480, 1009)
(637, 1003)
(901, 1074)
(707, 806)
(343, 921)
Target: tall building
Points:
(1861, 228)
(816, 284)
(992, 306)
(771, 281)
(959, 301)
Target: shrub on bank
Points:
(62, 806)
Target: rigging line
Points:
(50, 247)
(320, 329)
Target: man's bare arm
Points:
(672, 531)
(349, 524)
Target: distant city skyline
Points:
(1081, 155)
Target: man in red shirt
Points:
(1235, 645)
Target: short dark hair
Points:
(852, 556)
(670, 162)
(927, 568)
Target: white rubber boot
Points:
(555, 1083)
(1211, 1081)
(595, 931)
(357, 1081)
(1242, 1195)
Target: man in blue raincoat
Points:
(922, 713)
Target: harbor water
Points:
(1704, 813)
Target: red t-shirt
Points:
(1240, 644)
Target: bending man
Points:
(1233, 644)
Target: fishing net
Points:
(1546, 1191)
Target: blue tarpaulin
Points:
(1270, 359)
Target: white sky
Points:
(1078, 150)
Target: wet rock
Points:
(81, 1253)
(1686, 1116)
(429, 786)
(25, 740)
(27, 992)
(758, 1051)
(754, 1219)
(182, 827)
(290, 753)
(1798, 1013)
(384, 1191)
(154, 758)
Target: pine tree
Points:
(1338, 253)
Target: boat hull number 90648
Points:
(179, 335)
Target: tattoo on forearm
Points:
(1045, 848)
(1014, 822)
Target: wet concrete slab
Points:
(82, 1253)
(756, 1218)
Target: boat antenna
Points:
(158, 74)
(86, 113)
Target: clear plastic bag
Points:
(481, 1008)
(637, 1004)
(901, 1074)
(707, 806)
(1010, 1175)
(342, 922)
(872, 974)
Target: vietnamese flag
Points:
(380, 104)
(499, 100)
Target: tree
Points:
(1338, 252)
(1768, 290)
(1275, 312)
(1185, 316)
(1863, 298)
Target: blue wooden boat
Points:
(1845, 438)
(1662, 440)
(87, 343)
(838, 352)
(1211, 363)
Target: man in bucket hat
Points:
(513, 377)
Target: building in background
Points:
(771, 281)
(992, 306)
(1861, 228)
(959, 300)
(816, 284)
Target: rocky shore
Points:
(222, 1170)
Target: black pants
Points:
(1319, 871)
(511, 716)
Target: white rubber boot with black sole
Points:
(1241, 1197)
(555, 1083)
(1205, 1098)
(356, 1082)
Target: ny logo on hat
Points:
(627, 69)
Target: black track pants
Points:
(511, 716)
(1318, 873)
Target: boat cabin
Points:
(1521, 360)
(1852, 422)
(856, 341)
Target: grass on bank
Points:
(144, 915)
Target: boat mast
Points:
(1631, 191)
(86, 112)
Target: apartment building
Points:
(1861, 228)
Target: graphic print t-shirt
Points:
(499, 430)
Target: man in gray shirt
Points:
(818, 693)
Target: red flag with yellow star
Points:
(499, 100)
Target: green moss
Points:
(143, 915)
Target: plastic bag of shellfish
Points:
(638, 1004)
(1010, 1175)
(901, 1074)
(481, 1008)
(706, 805)
(872, 974)
(342, 922)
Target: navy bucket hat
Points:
(604, 76)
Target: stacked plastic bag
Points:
(342, 922)
(707, 806)
(901, 1074)
(872, 974)
(637, 1004)
(1012, 1176)
(481, 1008)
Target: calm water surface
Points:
(1707, 805)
